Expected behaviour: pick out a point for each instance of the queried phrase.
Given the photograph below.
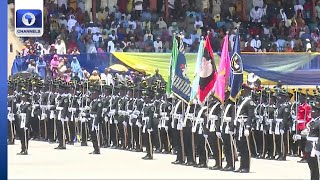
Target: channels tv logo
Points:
(29, 23)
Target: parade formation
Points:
(263, 123)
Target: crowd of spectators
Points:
(142, 26)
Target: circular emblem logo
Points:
(28, 19)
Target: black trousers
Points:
(294, 145)
(137, 137)
(188, 144)
(61, 133)
(114, 134)
(260, 141)
(313, 166)
(95, 138)
(105, 130)
(228, 150)
(201, 148)
(282, 144)
(165, 140)
(121, 136)
(270, 145)
(24, 138)
(302, 145)
(244, 148)
(216, 146)
(84, 132)
(180, 145)
(44, 129)
(51, 129)
(148, 143)
(156, 135)
(35, 126)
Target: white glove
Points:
(231, 132)
(218, 134)
(166, 128)
(246, 132)
(149, 131)
(294, 137)
(205, 136)
(281, 132)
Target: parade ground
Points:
(44, 162)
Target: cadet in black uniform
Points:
(105, 125)
(269, 115)
(137, 120)
(147, 119)
(12, 111)
(258, 127)
(120, 117)
(281, 128)
(189, 129)
(96, 114)
(62, 116)
(244, 118)
(165, 113)
(24, 124)
(73, 111)
(178, 143)
(228, 131)
(312, 148)
(129, 111)
(214, 132)
(156, 133)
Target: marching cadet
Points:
(129, 111)
(189, 126)
(258, 127)
(201, 135)
(136, 119)
(105, 125)
(214, 132)
(312, 148)
(52, 104)
(282, 115)
(303, 117)
(84, 113)
(12, 112)
(269, 118)
(244, 118)
(96, 115)
(73, 110)
(156, 133)
(43, 102)
(24, 124)
(148, 119)
(114, 131)
(228, 131)
(121, 124)
(165, 111)
(176, 125)
(62, 116)
(35, 97)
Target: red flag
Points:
(208, 74)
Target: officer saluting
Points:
(24, 124)
(96, 114)
(312, 148)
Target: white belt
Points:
(190, 116)
(241, 129)
(72, 109)
(136, 112)
(112, 112)
(10, 116)
(121, 113)
(242, 119)
(227, 119)
(277, 128)
(155, 115)
(214, 117)
(145, 119)
(300, 121)
(23, 120)
(59, 108)
(163, 114)
(312, 138)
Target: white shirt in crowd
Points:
(107, 78)
(256, 44)
(64, 22)
(133, 23)
(258, 3)
(158, 46)
(113, 37)
(61, 48)
(256, 15)
(196, 23)
(111, 48)
(138, 7)
(171, 4)
(61, 2)
(162, 24)
(71, 23)
(298, 7)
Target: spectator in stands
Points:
(157, 45)
(76, 68)
(32, 67)
(60, 46)
(107, 77)
(95, 76)
(41, 66)
(54, 63)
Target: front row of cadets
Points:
(259, 124)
